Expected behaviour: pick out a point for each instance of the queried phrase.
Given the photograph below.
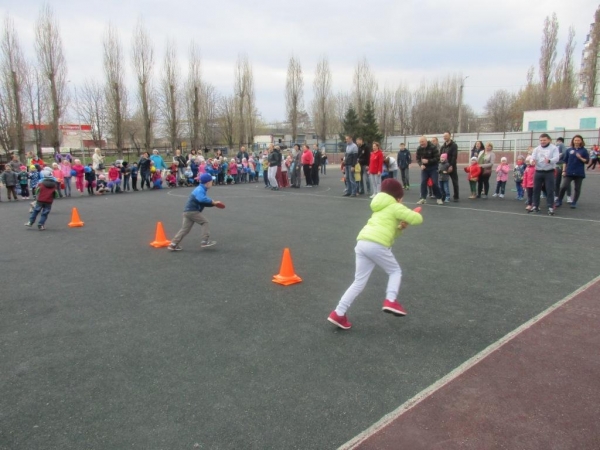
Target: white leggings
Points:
(369, 254)
(273, 176)
(375, 183)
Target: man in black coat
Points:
(242, 154)
(451, 149)
(316, 165)
(364, 156)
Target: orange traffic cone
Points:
(286, 275)
(161, 239)
(75, 220)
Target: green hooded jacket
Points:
(382, 227)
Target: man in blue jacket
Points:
(192, 213)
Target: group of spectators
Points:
(553, 169)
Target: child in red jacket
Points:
(528, 176)
(473, 171)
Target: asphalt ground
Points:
(106, 342)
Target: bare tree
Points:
(54, 67)
(563, 88)
(547, 57)
(91, 107)
(403, 103)
(294, 95)
(115, 91)
(386, 112)
(12, 66)
(227, 118)
(170, 95)
(194, 92)
(143, 65)
(322, 104)
(589, 69)
(36, 102)
(500, 109)
(243, 87)
(364, 87)
(435, 106)
(250, 108)
(342, 102)
(208, 114)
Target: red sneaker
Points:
(340, 321)
(394, 308)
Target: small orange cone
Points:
(286, 275)
(75, 220)
(161, 239)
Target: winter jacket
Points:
(57, 173)
(473, 172)
(66, 170)
(575, 167)
(376, 163)
(364, 155)
(404, 158)
(159, 163)
(316, 158)
(90, 176)
(46, 190)
(502, 172)
(198, 200)
(307, 157)
(274, 158)
(518, 172)
(351, 156)
(79, 169)
(528, 176)
(9, 178)
(430, 153)
(451, 149)
(143, 164)
(443, 171)
(113, 173)
(23, 178)
(382, 227)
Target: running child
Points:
(46, 192)
(375, 240)
(192, 213)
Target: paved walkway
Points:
(539, 389)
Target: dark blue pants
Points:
(426, 174)
(44, 208)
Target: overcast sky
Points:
(493, 42)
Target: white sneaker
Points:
(569, 199)
(440, 201)
(372, 196)
(421, 201)
(495, 195)
(501, 195)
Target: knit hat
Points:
(520, 157)
(474, 158)
(444, 155)
(392, 187)
(503, 159)
(47, 173)
(205, 178)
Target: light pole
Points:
(460, 97)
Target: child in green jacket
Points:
(374, 247)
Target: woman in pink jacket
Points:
(307, 162)
(501, 177)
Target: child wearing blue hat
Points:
(192, 213)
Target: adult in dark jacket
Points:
(242, 154)
(451, 149)
(350, 161)
(428, 158)
(404, 161)
(144, 168)
(364, 156)
(575, 160)
(274, 160)
(316, 167)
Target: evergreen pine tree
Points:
(369, 129)
(351, 125)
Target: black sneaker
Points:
(174, 248)
(205, 244)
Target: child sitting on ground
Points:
(171, 180)
(156, 180)
(473, 171)
(374, 247)
(101, 185)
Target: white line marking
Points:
(408, 405)
(540, 214)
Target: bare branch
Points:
(294, 94)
